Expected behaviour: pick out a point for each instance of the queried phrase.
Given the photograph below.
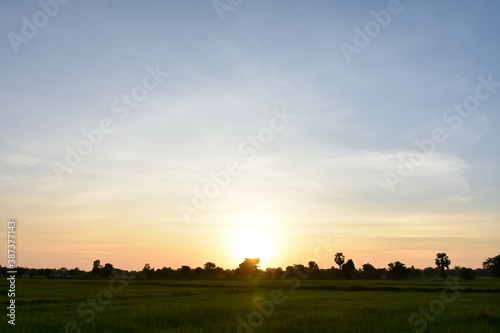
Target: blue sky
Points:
(324, 174)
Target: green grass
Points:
(215, 306)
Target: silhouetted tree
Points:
(198, 272)
(415, 272)
(313, 270)
(147, 271)
(164, 273)
(369, 272)
(442, 262)
(248, 267)
(61, 272)
(76, 272)
(210, 269)
(300, 271)
(106, 270)
(219, 272)
(289, 270)
(96, 268)
(185, 271)
(313, 266)
(398, 270)
(493, 265)
(339, 259)
(348, 269)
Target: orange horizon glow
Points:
(268, 238)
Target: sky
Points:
(181, 132)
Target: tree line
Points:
(249, 269)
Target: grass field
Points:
(233, 306)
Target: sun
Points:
(253, 238)
(253, 243)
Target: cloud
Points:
(360, 176)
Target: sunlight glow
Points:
(254, 237)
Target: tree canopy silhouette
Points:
(348, 269)
(106, 270)
(339, 259)
(248, 267)
(209, 268)
(147, 271)
(96, 268)
(369, 272)
(493, 265)
(398, 270)
(442, 262)
(185, 271)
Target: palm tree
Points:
(339, 259)
(442, 262)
